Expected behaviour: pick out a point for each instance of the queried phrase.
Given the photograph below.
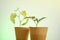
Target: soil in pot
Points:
(38, 33)
(21, 33)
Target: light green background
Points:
(39, 8)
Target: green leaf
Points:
(12, 17)
(25, 22)
(24, 13)
(33, 17)
(13, 21)
(42, 18)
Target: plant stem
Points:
(36, 24)
(19, 21)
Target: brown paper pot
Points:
(21, 33)
(38, 33)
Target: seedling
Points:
(14, 15)
(36, 20)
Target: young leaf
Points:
(42, 18)
(13, 21)
(12, 17)
(33, 17)
(25, 22)
(24, 13)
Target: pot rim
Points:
(38, 27)
(21, 27)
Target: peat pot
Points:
(38, 33)
(21, 33)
